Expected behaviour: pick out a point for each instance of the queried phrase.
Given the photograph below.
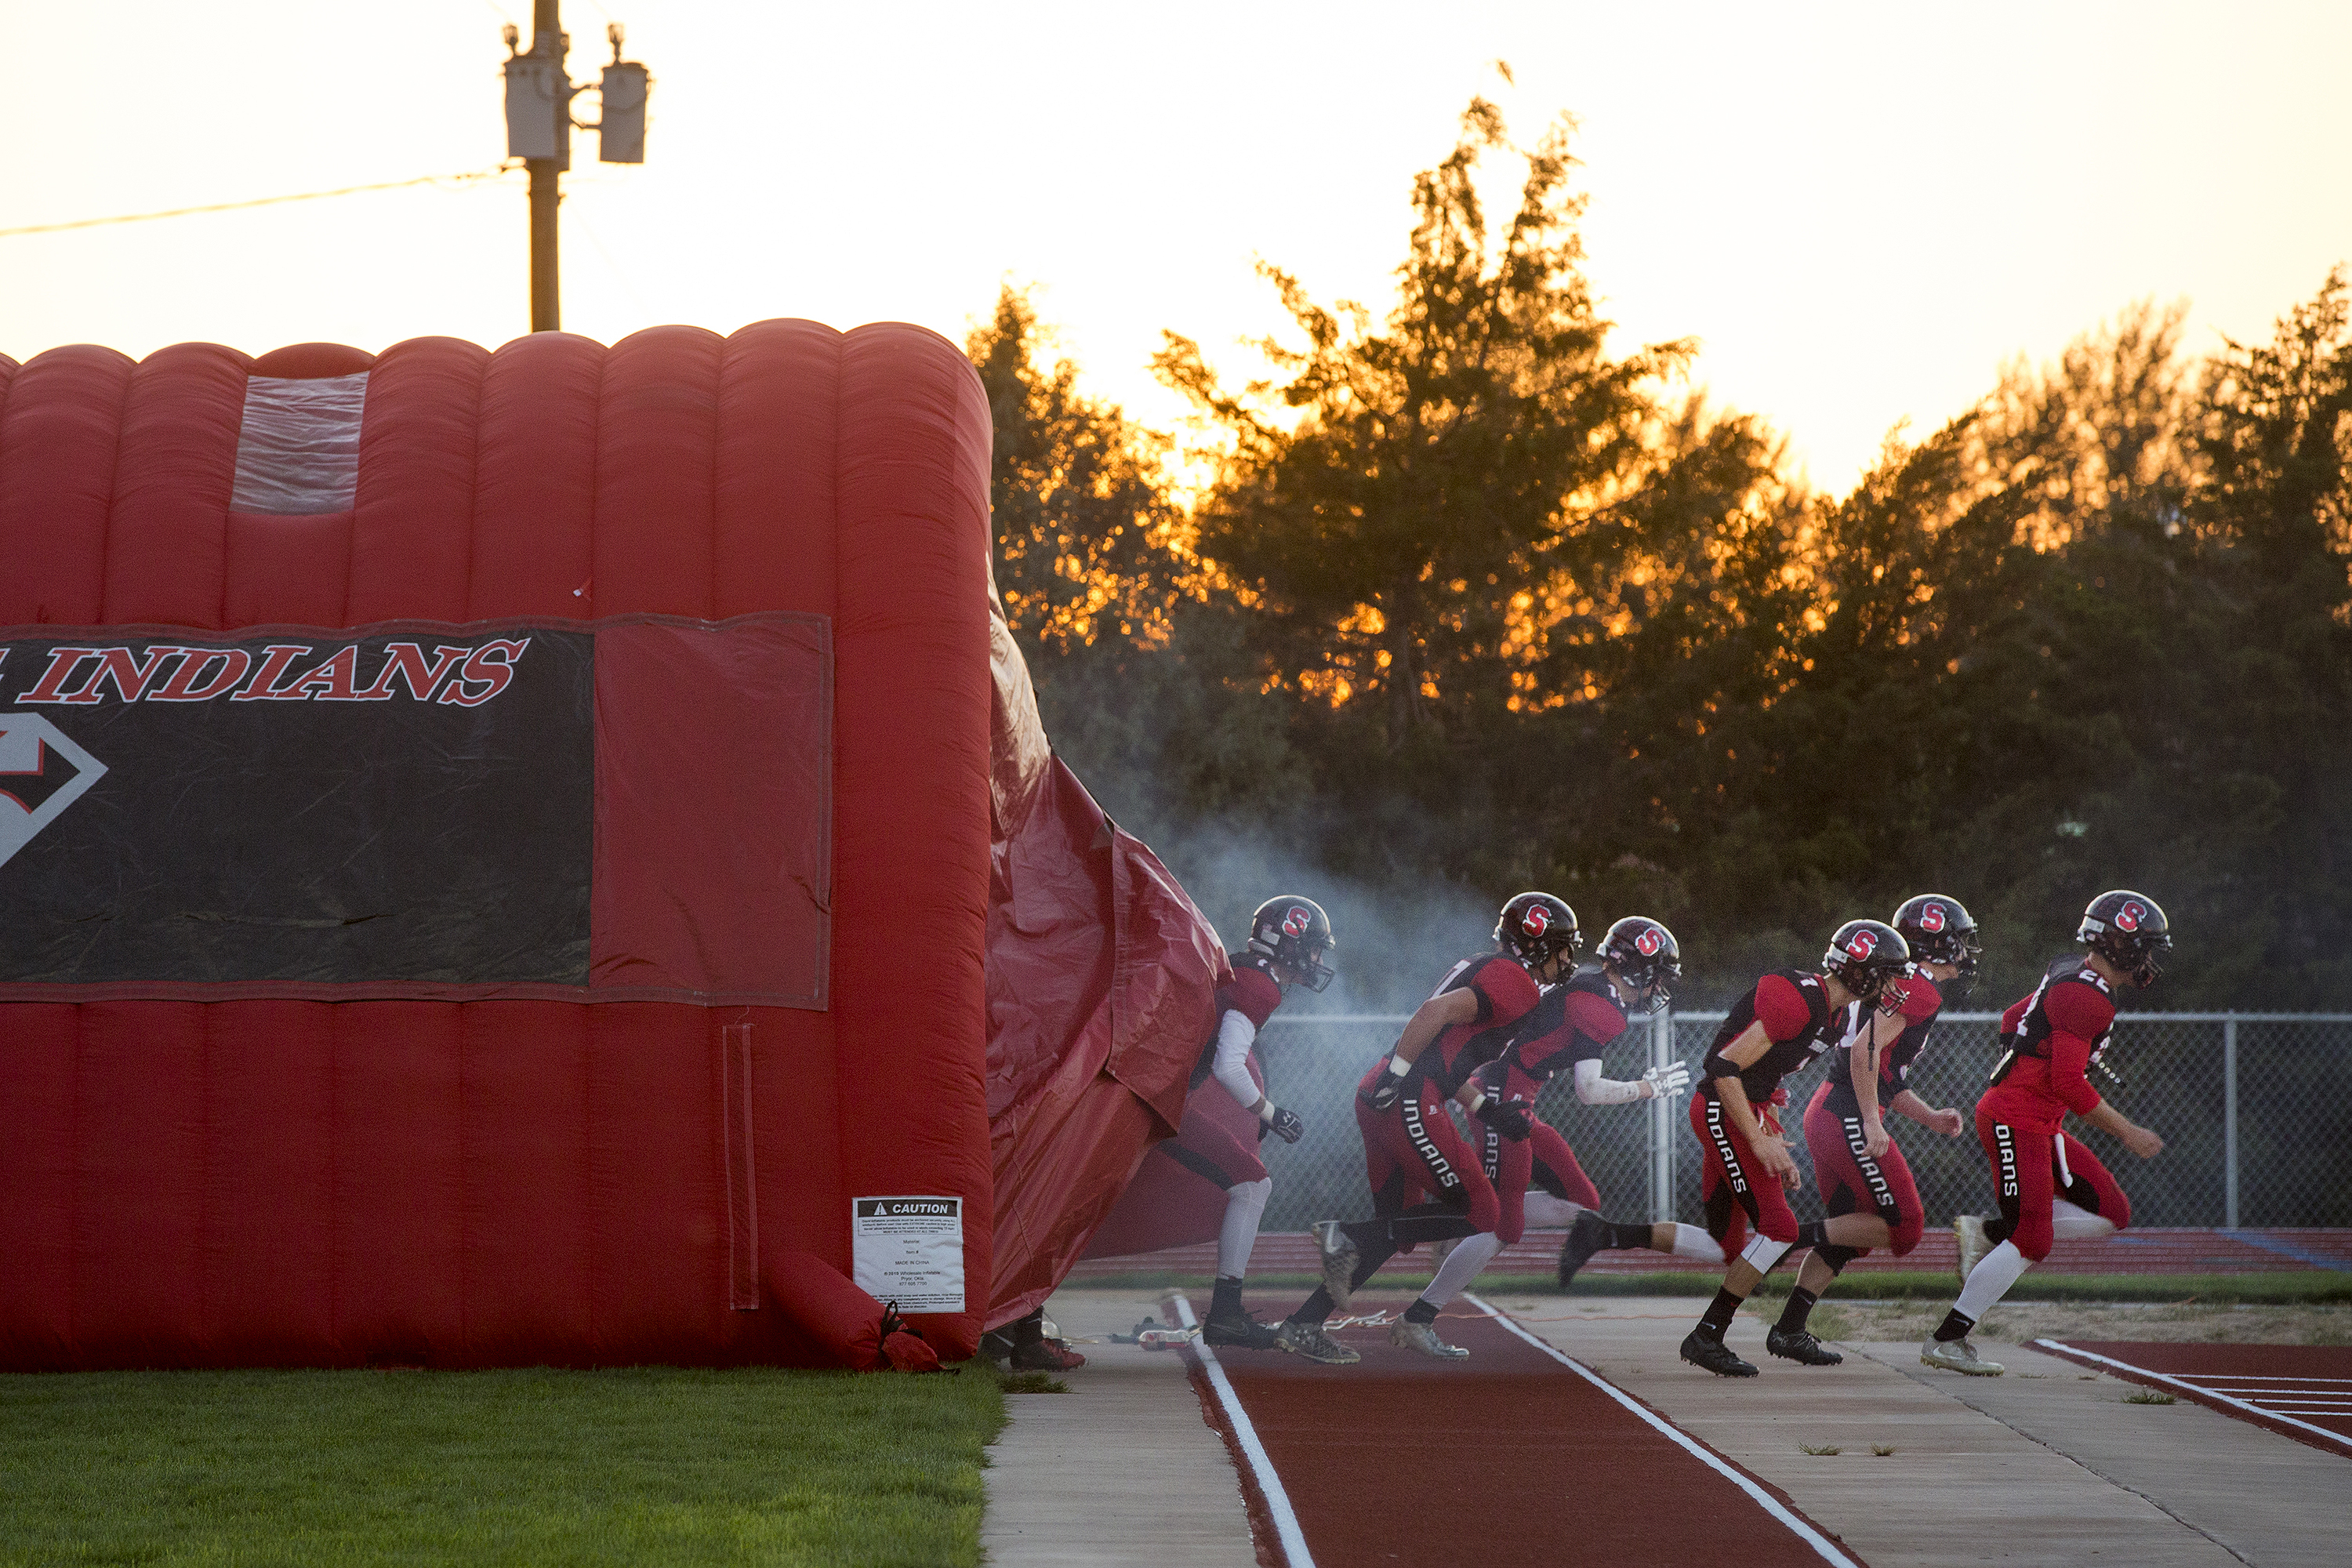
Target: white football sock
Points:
(1237, 1236)
(1690, 1241)
(1461, 1267)
(1990, 1281)
(1545, 1212)
(2072, 1222)
(1763, 1252)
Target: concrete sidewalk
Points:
(2044, 1465)
(1122, 1469)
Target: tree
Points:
(1392, 499)
(1083, 527)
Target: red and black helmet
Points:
(1864, 956)
(1536, 927)
(1939, 929)
(1645, 956)
(1293, 933)
(2129, 930)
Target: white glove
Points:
(1667, 1081)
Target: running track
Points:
(1512, 1456)
(2304, 1392)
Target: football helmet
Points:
(2129, 930)
(1293, 933)
(1534, 926)
(1645, 956)
(1940, 931)
(1865, 955)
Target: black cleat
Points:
(1714, 1356)
(1797, 1344)
(1588, 1236)
(1240, 1330)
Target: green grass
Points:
(364, 1468)
(2288, 1287)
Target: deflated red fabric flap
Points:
(1101, 976)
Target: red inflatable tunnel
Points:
(583, 1157)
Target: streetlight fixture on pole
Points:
(539, 131)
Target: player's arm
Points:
(2075, 1020)
(1868, 1052)
(1236, 1035)
(1746, 1051)
(1658, 1083)
(1948, 1122)
(1430, 1019)
(1481, 1095)
(2069, 1056)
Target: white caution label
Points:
(910, 1250)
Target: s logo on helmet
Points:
(1648, 943)
(1862, 944)
(2129, 917)
(1931, 918)
(1536, 921)
(1294, 923)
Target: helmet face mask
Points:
(1292, 933)
(1643, 954)
(2129, 930)
(1537, 929)
(1865, 957)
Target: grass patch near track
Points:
(366, 1467)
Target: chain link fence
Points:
(2255, 1111)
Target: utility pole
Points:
(540, 91)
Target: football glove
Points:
(1511, 1118)
(1667, 1081)
(1386, 1090)
(1284, 1124)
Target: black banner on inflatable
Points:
(500, 809)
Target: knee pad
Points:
(1905, 1237)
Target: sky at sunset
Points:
(1859, 210)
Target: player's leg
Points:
(1876, 1199)
(1217, 1156)
(1729, 1180)
(1452, 1167)
(2088, 1204)
(2024, 1165)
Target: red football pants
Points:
(2033, 1165)
(1737, 1190)
(1210, 1151)
(1542, 1159)
(1854, 1183)
(1414, 1147)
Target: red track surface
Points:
(2308, 1385)
(2134, 1252)
(1507, 1458)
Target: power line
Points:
(255, 202)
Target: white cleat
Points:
(1968, 1236)
(1957, 1355)
(1340, 1257)
(1423, 1337)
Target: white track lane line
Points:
(1269, 1484)
(2064, 1347)
(1814, 1538)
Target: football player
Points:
(2049, 1184)
(1411, 1144)
(1859, 1168)
(1289, 938)
(1537, 1180)
(1781, 1026)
